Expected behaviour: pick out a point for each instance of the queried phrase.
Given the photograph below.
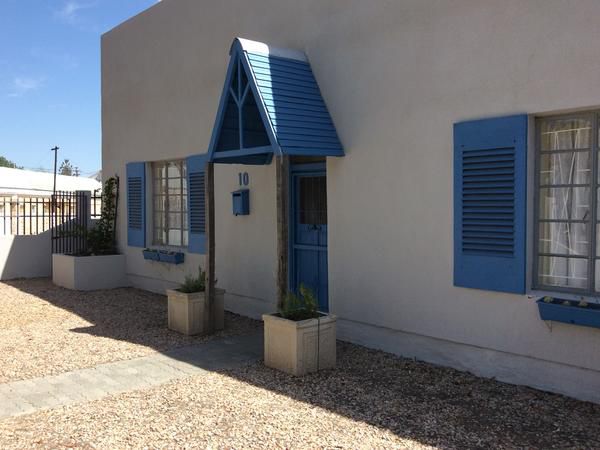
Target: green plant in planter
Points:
(299, 307)
(583, 304)
(548, 299)
(193, 284)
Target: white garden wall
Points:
(25, 256)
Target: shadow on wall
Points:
(25, 256)
(432, 405)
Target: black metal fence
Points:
(25, 216)
(70, 216)
(65, 215)
(96, 204)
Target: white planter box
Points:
(299, 347)
(88, 273)
(189, 313)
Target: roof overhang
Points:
(270, 104)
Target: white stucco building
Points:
(354, 129)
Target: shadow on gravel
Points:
(126, 314)
(432, 405)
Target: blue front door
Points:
(308, 265)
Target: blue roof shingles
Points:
(293, 101)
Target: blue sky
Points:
(50, 78)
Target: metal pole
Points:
(55, 150)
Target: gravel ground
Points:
(372, 400)
(45, 330)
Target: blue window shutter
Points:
(136, 204)
(490, 196)
(196, 179)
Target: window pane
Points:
(185, 238)
(565, 203)
(597, 278)
(160, 237)
(175, 220)
(174, 237)
(174, 203)
(565, 168)
(566, 134)
(563, 272)
(173, 170)
(159, 203)
(175, 183)
(159, 170)
(159, 220)
(313, 201)
(564, 238)
(598, 239)
(160, 187)
(169, 202)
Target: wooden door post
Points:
(210, 243)
(283, 184)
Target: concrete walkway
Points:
(84, 385)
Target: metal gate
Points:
(70, 214)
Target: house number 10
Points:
(244, 178)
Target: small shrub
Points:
(299, 307)
(194, 284)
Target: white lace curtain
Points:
(565, 202)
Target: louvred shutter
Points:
(490, 196)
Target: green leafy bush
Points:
(299, 307)
(193, 284)
(101, 239)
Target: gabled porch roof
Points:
(271, 104)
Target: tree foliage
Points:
(8, 163)
(67, 168)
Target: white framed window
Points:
(169, 201)
(566, 231)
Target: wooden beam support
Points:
(210, 243)
(283, 208)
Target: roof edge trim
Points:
(250, 46)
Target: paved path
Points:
(83, 385)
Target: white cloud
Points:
(23, 85)
(69, 13)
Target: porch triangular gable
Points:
(270, 104)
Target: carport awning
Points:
(271, 103)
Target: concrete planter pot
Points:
(89, 273)
(299, 347)
(189, 313)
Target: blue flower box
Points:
(557, 311)
(171, 257)
(151, 255)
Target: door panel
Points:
(309, 236)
